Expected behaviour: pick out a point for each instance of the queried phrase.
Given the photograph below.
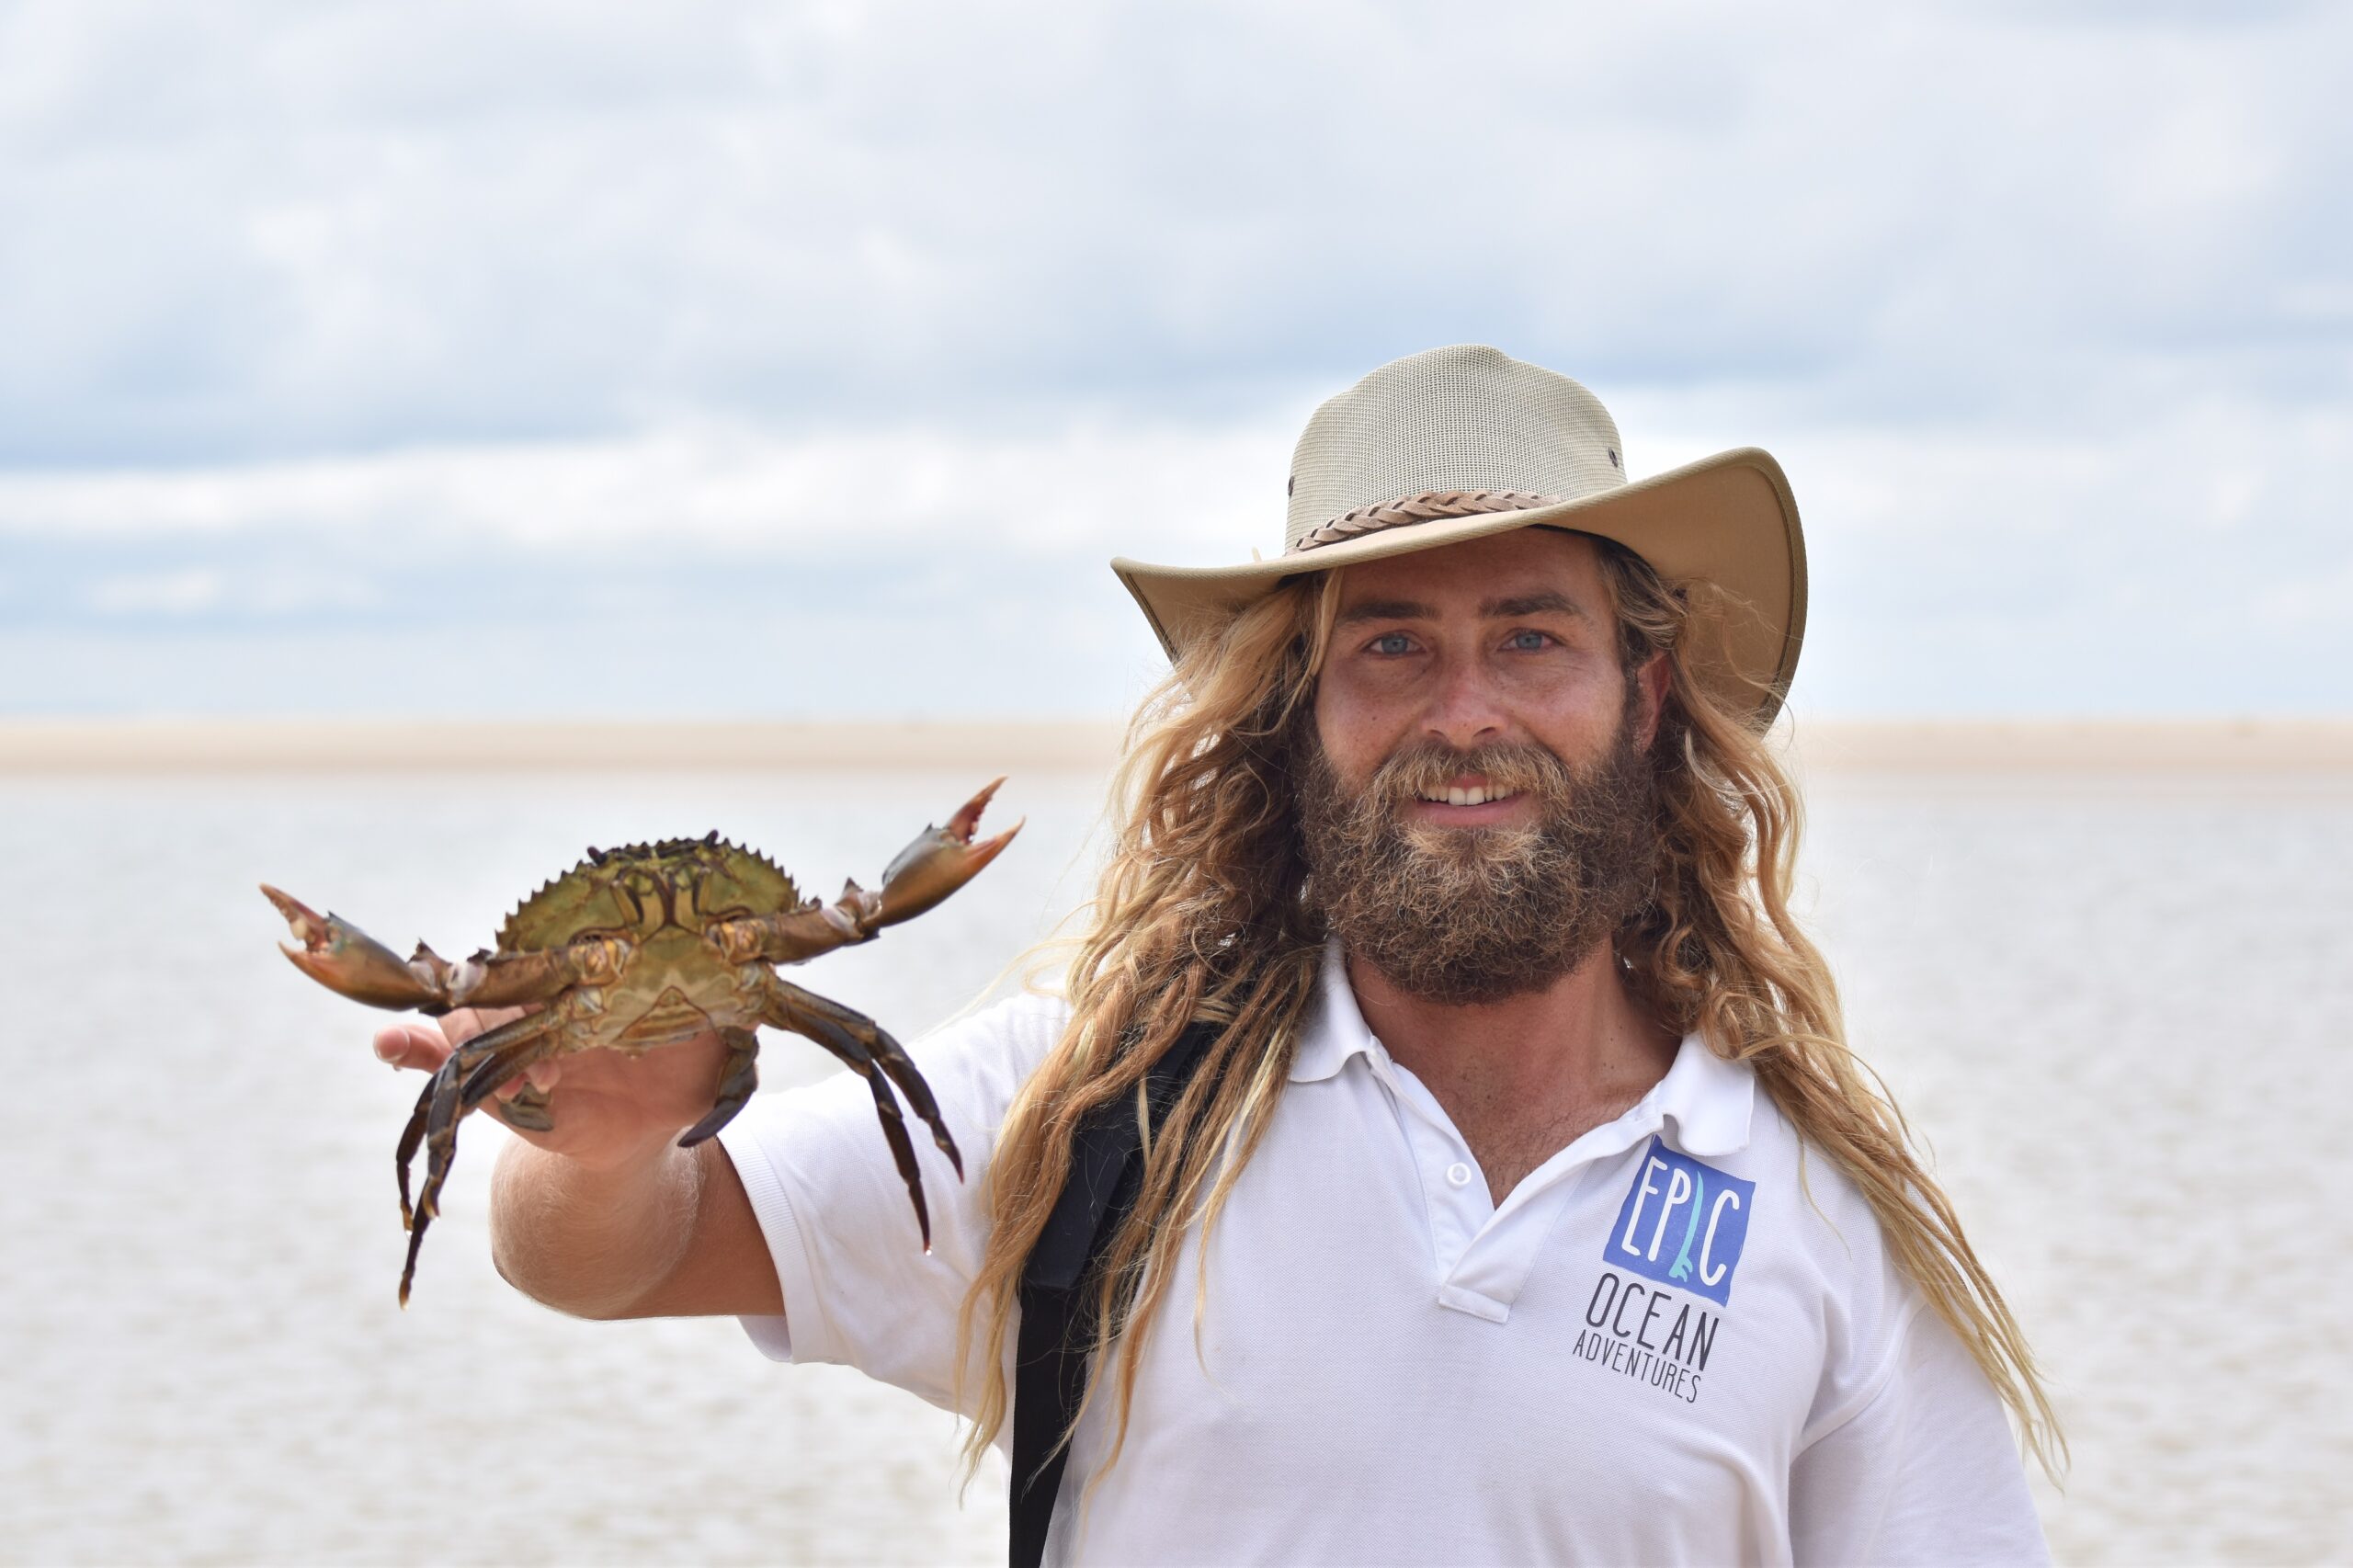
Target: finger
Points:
(462, 1024)
(417, 1046)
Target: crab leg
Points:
(525, 1029)
(515, 979)
(737, 1081)
(438, 1113)
(412, 1140)
(874, 1055)
(527, 1109)
(802, 1008)
(503, 1064)
(940, 861)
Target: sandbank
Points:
(2316, 747)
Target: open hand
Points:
(608, 1108)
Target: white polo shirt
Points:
(1657, 1348)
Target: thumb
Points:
(420, 1046)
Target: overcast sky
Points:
(519, 359)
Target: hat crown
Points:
(1466, 417)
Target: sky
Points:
(504, 360)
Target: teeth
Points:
(1474, 796)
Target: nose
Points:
(1464, 710)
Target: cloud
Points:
(485, 347)
(164, 593)
(1147, 486)
(2188, 566)
(242, 232)
(698, 572)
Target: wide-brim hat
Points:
(1456, 443)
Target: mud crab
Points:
(642, 946)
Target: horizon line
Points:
(46, 745)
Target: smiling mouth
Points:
(1466, 795)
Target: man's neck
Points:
(1523, 1077)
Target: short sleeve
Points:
(1924, 1471)
(858, 1288)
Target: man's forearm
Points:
(592, 1241)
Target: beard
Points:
(1462, 915)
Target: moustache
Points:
(1430, 768)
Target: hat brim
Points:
(1728, 520)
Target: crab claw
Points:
(940, 861)
(347, 960)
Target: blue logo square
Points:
(1683, 1223)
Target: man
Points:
(1522, 1203)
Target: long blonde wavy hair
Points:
(1204, 914)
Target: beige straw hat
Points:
(1455, 443)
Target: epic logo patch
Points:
(1683, 1223)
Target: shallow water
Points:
(2117, 1011)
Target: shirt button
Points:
(1459, 1174)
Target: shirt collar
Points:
(1335, 1030)
(1709, 1099)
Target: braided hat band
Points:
(1419, 508)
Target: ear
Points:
(1653, 676)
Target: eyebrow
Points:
(1547, 602)
(1544, 603)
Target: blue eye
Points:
(1529, 641)
(1391, 642)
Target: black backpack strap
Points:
(1050, 1361)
